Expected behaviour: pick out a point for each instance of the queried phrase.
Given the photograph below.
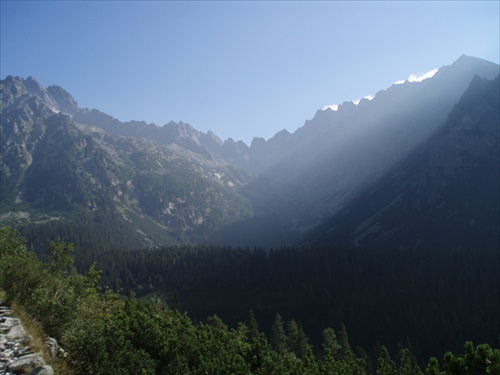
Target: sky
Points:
(241, 69)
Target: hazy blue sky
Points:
(241, 69)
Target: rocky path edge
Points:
(16, 353)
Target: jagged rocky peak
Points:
(257, 142)
(184, 135)
(258, 146)
(280, 138)
(347, 106)
(15, 88)
(211, 142)
(16, 96)
(471, 61)
(180, 131)
(187, 127)
(15, 85)
(35, 88)
(363, 102)
(55, 98)
(282, 134)
(212, 136)
(11, 88)
(231, 142)
(465, 68)
(65, 101)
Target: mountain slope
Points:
(62, 164)
(54, 169)
(445, 195)
(339, 154)
(342, 151)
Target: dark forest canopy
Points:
(433, 300)
(104, 333)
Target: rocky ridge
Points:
(165, 193)
(148, 185)
(16, 354)
(444, 195)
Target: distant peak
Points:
(366, 98)
(11, 78)
(31, 82)
(283, 132)
(64, 100)
(257, 141)
(467, 58)
(333, 107)
(465, 61)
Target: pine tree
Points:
(345, 352)
(297, 340)
(385, 365)
(278, 336)
(330, 343)
(253, 327)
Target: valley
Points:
(379, 218)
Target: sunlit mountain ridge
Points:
(62, 165)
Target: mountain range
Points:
(416, 166)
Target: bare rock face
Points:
(64, 100)
(16, 356)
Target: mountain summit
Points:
(358, 176)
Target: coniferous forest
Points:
(217, 310)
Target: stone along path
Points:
(16, 354)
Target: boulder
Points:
(8, 323)
(16, 332)
(27, 363)
(43, 370)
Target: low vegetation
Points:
(105, 333)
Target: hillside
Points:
(336, 158)
(444, 195)
(56, 172)
(78, 172)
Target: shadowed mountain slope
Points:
(339, 154)
(56, 172)
(444, 195)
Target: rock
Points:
(16, 354)
(27, 363)
(43, 370)
(9, 323)
(4, 311)
(17, 332)
(52, 346)
(7, 353)
(23, 351)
